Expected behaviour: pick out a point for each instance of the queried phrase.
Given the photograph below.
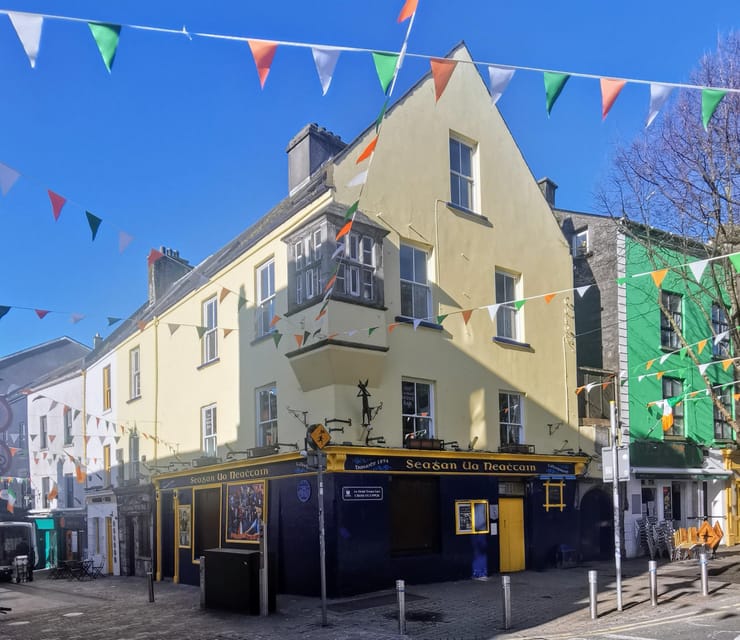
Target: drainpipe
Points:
(156, 388)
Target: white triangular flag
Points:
(665, 357)
(492, 311)
(500, 78)
(640, 378)
(28, 27)
(582, 290)
(326, 60)
(703, 367)
(8, 177)
(697, 268)
(417, 322)
(590, 386)
(338, 250)
(359, 179)
(720, 337)
(658, 95)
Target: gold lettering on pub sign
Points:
(235, 474)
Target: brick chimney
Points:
(307, 151)
(163, 273)
(548, 188)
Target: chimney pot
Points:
(548, 188)
(310, 148)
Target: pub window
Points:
(414, 515)
(554, 495)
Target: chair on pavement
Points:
(98, 564)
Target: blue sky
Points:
(179, 147)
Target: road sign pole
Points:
(321, 458)
(615, 495)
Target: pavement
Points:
(552, 604)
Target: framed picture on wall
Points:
(471, 517)
(245, 511)
(184, 526)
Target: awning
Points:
(696, 473)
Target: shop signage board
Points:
(362, 493)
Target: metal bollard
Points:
(150, 582)
(703, 563)
(653, 570)
(202, 582)
(401, 593)
(593, 593)
(506, 587)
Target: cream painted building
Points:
(237, 354)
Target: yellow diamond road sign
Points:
(320, 436)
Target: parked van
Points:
(17, 539)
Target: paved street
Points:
(552, 604)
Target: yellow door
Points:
(109, 545)
(511, 534)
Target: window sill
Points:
(424, 323)
(262, 338)
(135, 398)
(469, 213)
(207, 364)
(514, 344)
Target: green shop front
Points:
(422, 516)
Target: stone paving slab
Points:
(551, 604)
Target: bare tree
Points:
(683, 180)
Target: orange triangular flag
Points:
(263, 51)
(408, 10)
(604, 385)
(658, 276)
(736, 396)
(392, 326)
(579, 389)
(368, 150)
(322, 313)
(659, 375)
(344, 230)
(53, 493)
(700, 345)
(275, 320)
(141, 324)
(80, 473)
(549, 297)
(224, 292)
(466, 315)
(649, 364)
(609, 91)
(726, 364)
(441, 72)
(298, 339)
(227, 332)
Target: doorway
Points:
(597, 526)
(511, 534)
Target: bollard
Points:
(593, 593)
(506, 587)
(653, 570)
(703, 560)
(202, 582)
(401, 592)
(150, 582)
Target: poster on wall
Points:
(245, 508)
(183, 526)
(471, 517)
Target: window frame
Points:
(43, 432)
(669, 339)
(457, 175)
(45, 490)
(678, 428)
(358, 264)
(266, 430)
(134, 373)
(67, 420)
(107, 388)
(209, 436)
(507, 314)
(722, 428)
(265, 310)
(580, 243)
(420, 421)
(720, 324)
(506, 428)
(414, 283)
(209, 319)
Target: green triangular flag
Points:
(554, 83)
(385, 65)
(710, 98)
(441, 319)
(306, 336)
(106, 37)
(351, 210)
(201, 331)
(370, 330)
(4, 310)
(622, 280)
(379, 119)
(242, 302)
(94, 223)
(518, 304)
(277, 337)
(735, 259)
(682, 353)
(112, 321)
